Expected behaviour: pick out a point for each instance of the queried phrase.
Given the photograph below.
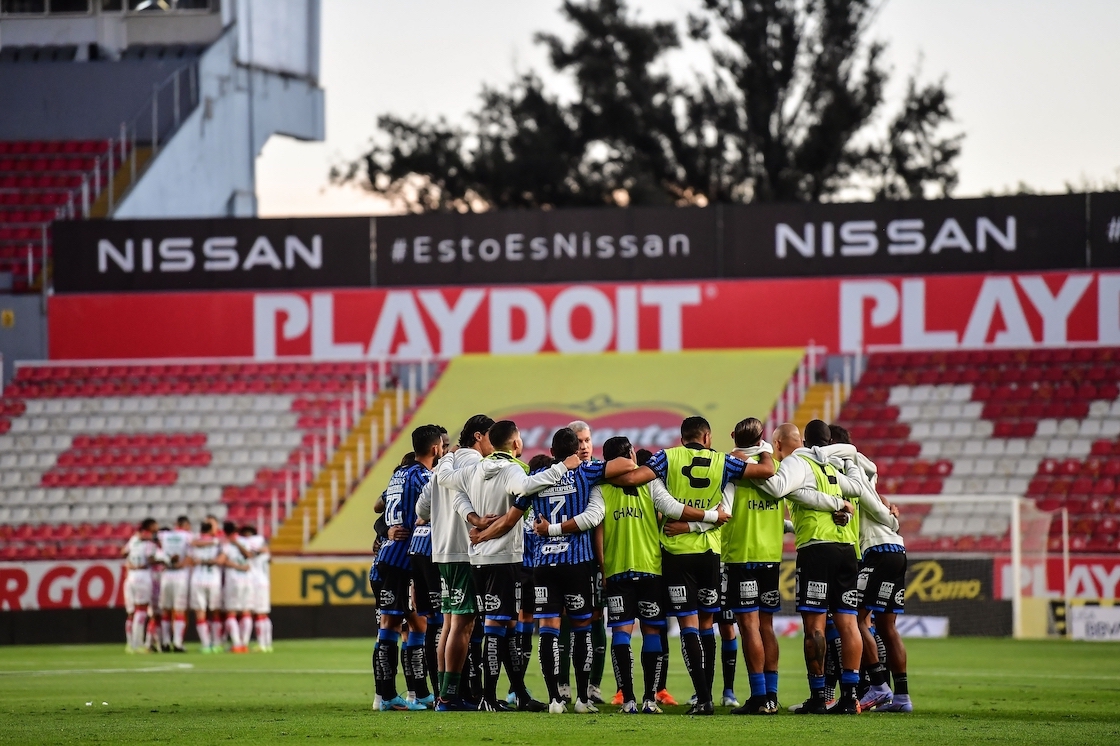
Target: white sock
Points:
(180, 631)
(247, 629)
(266, 629)
(139, 627)
(128, 629)
(234, 630)
(165, 629)
(216, 632)
(203, 634)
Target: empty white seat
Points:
(1099, 409)
(1047, 428)
(982, 428)
(942, 430)
(20, 514)
(974, 486)
(59, 514)
(995, 447)
(5, 514)
(983, 467)
(245, 476)
(1016, 447)
(973, 448)
(1069, 427)
(1080, 447)
(997, 525)
(1026, 467)
(995, 486)
(964, 467)
(899, 395)
(192, 421)
(962, 429)
(269, 421)
(1058, 447)
(95, 495)
(99, 512)
(79, 513)
(954, 525)
(921, 431)
(952, 486)
(254, 438)
(235, 439)
(9, 461)
(933, 525)
(973, 526)
(36, 495)
(1018, 485)
(931, 449)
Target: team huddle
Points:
(221, 573)
(477, 549)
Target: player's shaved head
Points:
(787, 439)
(817, 434)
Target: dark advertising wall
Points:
(98, 256)
(996, 234)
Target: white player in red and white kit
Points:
(175, 581)
(138, 552)
(260, 587)
(206, 560)
(236, 591)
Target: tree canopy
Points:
(790, 109)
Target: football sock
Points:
(385, 663)
(583, 657)
(233, 627)
(771, 684)
(216, 631)
(139, 620)
(415, 666)
(266, 631)
(128, 629)
(513, 661)
(203, 633)
(816, 686)
(622, 658)
(708, 642)
(247, 629)
(729, 656)
(599, 643)
(758, 684)
(449, 690)
(877, 672)
(901, 686)
(474, 661)
(165, 629)
(178, 629)
(652, 661)
(525, 643)
(693, 653)
(431, 646)
(565, 652)
(849, 679)
(492, 644)
(550, 661)
(663, 673)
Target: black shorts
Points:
(753, 586)
(498, 590)
(691, 582)
(882, 581)
(826, 578)
(726, 614)
(526, 575)
(568, 588)
(393, 597)
(425, 584)
(641, 598)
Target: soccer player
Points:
(882, 585)
(491, 487)
(176, 545)
(826, 556)
(138, 584)
(206, 586)
(395, 568)
(426, 592)
(695, 475)
(751, 549)
(564, 569)
(260, 588)
(598, 628)
(235, 590)
(627, 545)
(450, 553)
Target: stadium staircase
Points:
(87, 450)
(1042, 423)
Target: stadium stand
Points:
(44, 181)
(1042, 423)
(87, 450)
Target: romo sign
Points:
(111, 256)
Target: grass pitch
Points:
(974, 690)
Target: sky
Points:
(1035, 84)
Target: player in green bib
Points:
(628, 546)
(826, 555)
(696, 475)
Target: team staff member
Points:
(826, 558)
(695, 475)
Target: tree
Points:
(786, 113)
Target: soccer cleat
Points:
(493, 705)
(693, 700)
(756, 706)
(664, 698)
(178, 650)
(585, 708)
(511, 699)
(772, 699)
(428, 701)
(811, 706)
(617, 699)
(630, 708)
(450, 705)
(650, 707)
(701, 708)
(206, 650)
(876, 696)
(240, 649)
(845, 706)
(900, 703)
(729, 699)
(595, 695)
(400, 704)
(129, 649)
(565, 692)
(557, 707)
(529, 705)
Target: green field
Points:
(977, 690)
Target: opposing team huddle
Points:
(222, 573)
(476, 549)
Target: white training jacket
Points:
(876, 524)
(490, 486)
(439, 507)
